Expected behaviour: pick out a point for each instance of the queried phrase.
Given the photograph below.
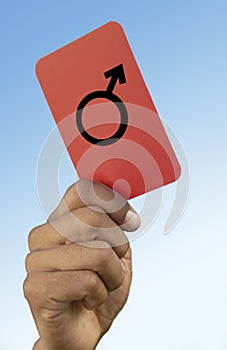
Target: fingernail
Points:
(131, 221)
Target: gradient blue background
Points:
(179, 294)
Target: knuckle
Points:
(28, 287)
(35, 235)
(32, 236)
(96, 287)
(28, 260)
(93, 280)
(31, 261)
(36, 287)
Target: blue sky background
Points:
(179, 292)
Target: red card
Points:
(105, 114)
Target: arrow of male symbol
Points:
(116, 73)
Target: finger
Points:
(58, 289)
(72, 257)
(88, 193)
(81, 225)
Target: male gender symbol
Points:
(116, 73)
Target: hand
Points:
(79, 267)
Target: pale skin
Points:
(79, 268)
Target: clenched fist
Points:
(79, 267)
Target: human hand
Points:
(79, 267)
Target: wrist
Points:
(38, 346)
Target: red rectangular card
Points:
(105, 113)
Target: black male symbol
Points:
(116, 73)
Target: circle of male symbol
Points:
(116, 73)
